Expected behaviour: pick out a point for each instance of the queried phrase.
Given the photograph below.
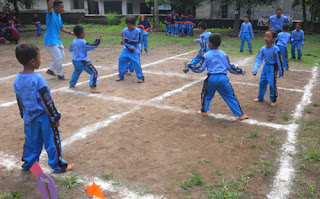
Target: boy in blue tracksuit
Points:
(297, 39)
(172, 25)
(177, 22)
(203, 41)
(217, 64)
(79, 49)
(166, 22)
(37, 22)
(144, 27)
(41, 118)
(282, 40)
(131, 51)
(190, 25)
(183, 25)
(245, 34)
(273, 65)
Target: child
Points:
(41, 118)
(297, 39)
(203, 41)
(2, 39)
(11, 34)
(177, 22)
(144, 27)
(183, 25)
(282, 40)
(217, 64)
(172, 24)
(131, 51)
(37, 22)
(16, 22)
(167, 22)
(272, 66)
(190, 25)
(245, 33)
(79, 49)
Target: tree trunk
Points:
(236, 23)
(16, 8)
(156, 14)
(304, 15)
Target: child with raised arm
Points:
(282, 40)
(130, 54)
(245, 34)
(273, 66)
(297, 39)
(41, 118)
(79, 49)
(217, 64)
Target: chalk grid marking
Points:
(292, 127)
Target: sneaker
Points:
(95, 90)
(72, 86)
(250, 52)
(299, 58)
(241, 51)
(146, 50)
(50, 72)
(141, 80)
(61, 77)
(293, 57)
(119, 79)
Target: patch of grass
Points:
(253, 145)
(308, 110)
(315, 104)
(266, 170)
(11, 195)
(221, 139)
(143, 191)
(308, 189)
(69, 182)
(311, 126)
(285, 117)
(216, 172)
(202, 160)
(111, 176)
(108, 176)
(195, 179)
(117, 181)
(225, 189)
(254, 134)
(312, 156)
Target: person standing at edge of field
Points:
(52, 37)
(276, 22)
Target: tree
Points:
(16, 5)
(156, 14)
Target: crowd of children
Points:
(179, 26)
(9, 28)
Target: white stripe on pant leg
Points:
(59, 67)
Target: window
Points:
(78, 4)
(224, 12)
(112, 7)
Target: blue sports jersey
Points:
(246, 28)
(271, 56)
(33, 96)
(216, 62)
(283, 39)
(297, 36)
(80, 48)
(204, 41)
(277, 23)
(54, 23)
(132, 39)
(144, 27)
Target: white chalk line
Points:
(40, 70)
(8, 104)
(8, 161)
(283, 180)
(300, 70)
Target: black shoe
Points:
(50, 72)
(61, 77)
(299, 58)
(250, 52)
(293, 57)
(241, 51)
(146, 50)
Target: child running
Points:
(217, 64)
(130, 54)
(41, 118)
(297, 39)
(282, 40)
(272, 66)
(245, 34)
(79, 49)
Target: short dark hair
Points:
(57, 3)
(299, 24)
(77, 30)
(26, 52)
(274, 33)
(202, 25)
(131, 20)
(285, 27)
(247, 17)
(215, 39)
(278, 9)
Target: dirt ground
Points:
(156, 144)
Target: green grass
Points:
(11, 195)
(231, 189)
(315, 104)
(309, 190)
(308, 110)
(143, 191)
(253, 145)
(221, 139)
(69, 182)
(285, 117)
(195, 179)
(312, 156)
(111, 176)
(254, 133)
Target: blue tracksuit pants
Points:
(87, 66)
(38, 26)
(284, 55)
(245, 37)
(144, 41)
(268, 76)
(197, 59)
(177, 28)
(171, 29)
(38, 133)
(183, 28)
(220, 83)
(293, 48)
(190, 29)
(167, 28)
(129, 59)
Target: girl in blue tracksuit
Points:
(217, 64)
(273, 66)
(37, 22)
(245, 34)
(79, 49)
(144, 27)
(297, 39)
(282, 40)
(131, 51)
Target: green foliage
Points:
(225, 189)
(195, 179)
(69, 182)
(285, 117)
(143, 191)
(254, 134)
(112, 19)
(12, 195)
(312, 156)
(308, 110)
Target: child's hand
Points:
(195, 41)
(100, 36)
(202, 53)
(185, 62)
(133, 49)
(123, 38)
(244, 73)
(56, 124)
